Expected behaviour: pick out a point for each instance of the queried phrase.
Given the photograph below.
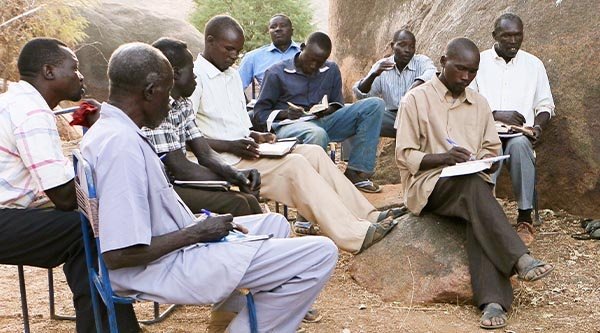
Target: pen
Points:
(454, 144)
(206, 212)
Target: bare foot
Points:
(493, 316)
(530, 269)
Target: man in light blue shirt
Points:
(255, 63)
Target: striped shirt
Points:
(31, 158)
(393, 84)
(178, 128)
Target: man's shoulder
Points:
(530, 57)
(263, 49)
(421, 58)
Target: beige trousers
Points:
(309, 181)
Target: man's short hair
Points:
(39, 52)
(320, 39)
(135, 65)
(403, 31)
(458, 46)
(221, 23)
(173, 49)
(287, 18)
(509, 17)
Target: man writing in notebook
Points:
(516, 86)
(429, 116)
(179, 130)
(305, 179)
(155, 249)
(304, 80)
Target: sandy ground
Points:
(567, 301)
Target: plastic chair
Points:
(98, 277)
(99, 280)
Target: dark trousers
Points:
(232, 202)
(48, 238)
(493, 246)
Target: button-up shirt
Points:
(178, 128)
(393, 84)
(428, 116)
(31, 158)
(521, 84)
(221, 105)
(255, 63)
(284, 83)
(136, 202)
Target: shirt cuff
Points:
(413, 161)
(544, 109)
(357, 93)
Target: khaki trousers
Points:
(309, 181)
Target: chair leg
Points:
(158, 317)
(24, 308)
(53, 314)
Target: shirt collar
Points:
(410, 66)
(26, 87)
(443, 92)
(498, 57)
(271, 47)
(211, 70)
(289, 66)
(110, 111)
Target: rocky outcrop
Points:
(112, 24)
(564, 34)
(423, 260)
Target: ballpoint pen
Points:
(454, 144)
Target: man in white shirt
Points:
(516, 86)
(305, 179)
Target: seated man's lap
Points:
(308, 132)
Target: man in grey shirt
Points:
(391, 77)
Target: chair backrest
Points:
(97, 271)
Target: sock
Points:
(524, 216)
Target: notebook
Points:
(470, 167)
(216, 185)
(278, 149)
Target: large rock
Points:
(564, 34)
(113, 24)
(423, 260)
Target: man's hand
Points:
(330, 110)
(382, 66)
(457, 155)
(537, 134)
(248, 181)
(509, 117)
(214, 228)
(295, 112)
(244, 148)
(494, 166)
(263, 137)
(417, 83)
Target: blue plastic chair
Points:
(99, 280)
(99, 277)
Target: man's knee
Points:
(278, 224)
(372, 105)
(316, 136)
(238, 205)
(518, 145)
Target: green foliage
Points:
(48, 18)
(254, 17)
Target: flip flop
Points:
(305, 228)
(534, 264)
(367, 186)
(393, 212)
(312, 316)
(492, 312)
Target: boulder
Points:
(423, 260)
(563, 34)
(112, 24)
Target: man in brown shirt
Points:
(432, 115)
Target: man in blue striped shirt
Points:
(391, 77)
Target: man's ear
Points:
(149, 91)
(176, 73)
(302, 46)
(494, 34)
(48, 72)
(210, 39)
(443, 61)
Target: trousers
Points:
(308, 180)
(493, 246)
(521, 166)
(47, 238)
(232, 202)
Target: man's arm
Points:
(426, 70)
(63, 196)
(268, 98)
(246, 69)
(211, 229)
(244, 148)
(364, 86)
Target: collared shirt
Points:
(178, 128)
(521, 84)
(255, 63)
(393, 84)
(137, 203)
(428, 116)
(285, 83)
(220, 104)
(31, 158)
